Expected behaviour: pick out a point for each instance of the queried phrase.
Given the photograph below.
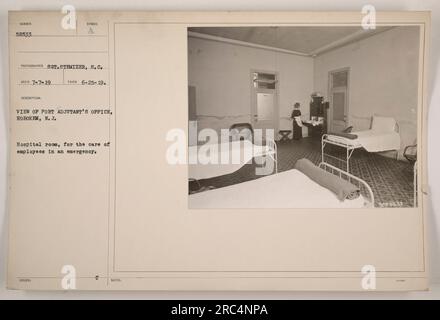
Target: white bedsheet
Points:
(246, 149)
(371, 140)
(288, 189)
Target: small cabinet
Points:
(318, 110)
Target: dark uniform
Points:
(297, 130)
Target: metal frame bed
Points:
(349, 150)
(364, 187)
(272, 152)
(269, 148)
(271, 192)
(350, 147)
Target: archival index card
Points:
(103, 157)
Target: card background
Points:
(433, 114)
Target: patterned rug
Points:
(391, 180)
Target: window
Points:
(340, 79)
(264, 80)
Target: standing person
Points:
(297, 123)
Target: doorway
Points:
(264, 101)
(338, 98)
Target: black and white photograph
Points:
(239, 153)
(303, 116)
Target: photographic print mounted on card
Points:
(218, 150)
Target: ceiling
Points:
(302, 40)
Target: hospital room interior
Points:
(341, 102)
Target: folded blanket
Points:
(340, 187)
(344, 135)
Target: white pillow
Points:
(383, 124)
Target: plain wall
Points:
(382, 80)
(221, 73)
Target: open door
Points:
(264, 108)
(338, 96)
